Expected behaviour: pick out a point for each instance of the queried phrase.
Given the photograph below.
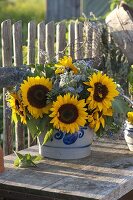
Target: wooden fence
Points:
(53, 41)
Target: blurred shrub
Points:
(22, 10)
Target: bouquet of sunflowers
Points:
(67, 96)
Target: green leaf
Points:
(43, 123)
(37, 126)
(33, 128)
(26, 160)
(48, 136)
(40, 67)
(37, 158)
(20, 156)
(49, 71)
(16, 162)
(120, 106)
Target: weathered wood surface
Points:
(71, 39)
(120, 23)
(6, 36)
(17, 43)
(106, 174)
(50, 31)
(88, 44)
(60, 39)
(41, 42)
(18, 61)
(79, 40)
(31, 43)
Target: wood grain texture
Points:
(18, 61)
(88, 30)
(120, 23)
(31, 43)
(79, 40)
(41, 42)
(17, 43)
(71, 39)
(60, 39)
(6, 36)
(96, 42)
(50, 31)
(105, 174)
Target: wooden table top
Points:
(107, 174)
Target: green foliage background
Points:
(22, 9)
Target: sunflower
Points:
(102, 91)
(65, 62)
(60, 70)
(97, 118)
(130, 117)
(68, 113)
(34, 94)
(17, 108)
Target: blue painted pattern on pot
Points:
(68, 138)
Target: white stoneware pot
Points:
(128, 134)
(67, 146)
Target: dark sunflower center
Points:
(100, 92)
(68, 113)
(17, 104)
(37, 96)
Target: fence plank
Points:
(78, 40)
(41, 43)
(17, 43)
(31, 43)
(31, 57)
(6, 36)
(18, 61)
(71, 39)
(88, 39)
(50, 30)
(96, 42)
(60, 39)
